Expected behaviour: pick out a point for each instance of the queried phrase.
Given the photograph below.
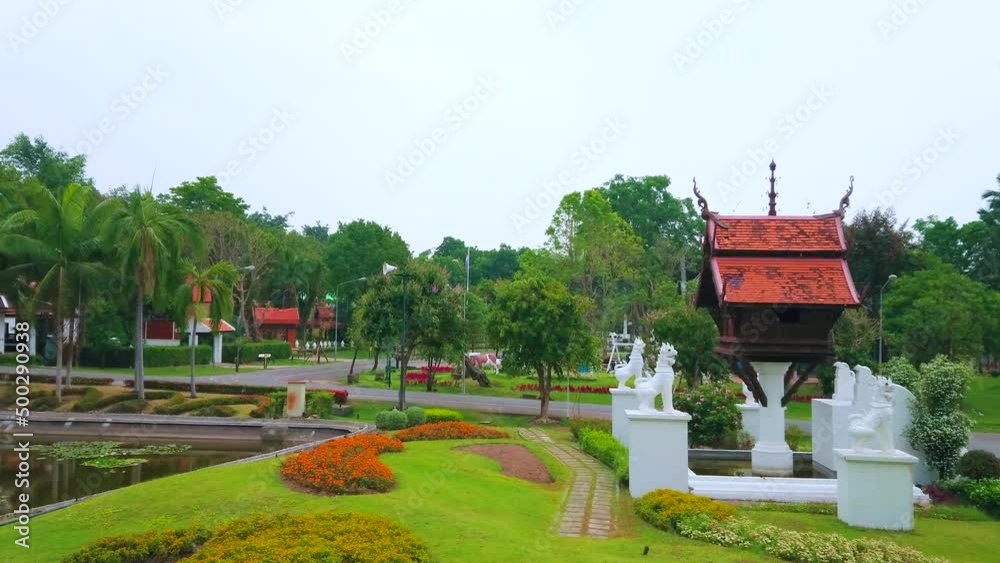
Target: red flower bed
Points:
(346, 466)
(339, 396)
(417, 377)
(449, 431)
(443, 368)
(572, 388)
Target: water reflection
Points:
(54, 481)
(741, 468)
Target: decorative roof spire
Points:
(845, 201)
(772, 195)
(702, 203)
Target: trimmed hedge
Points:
(167, 545)
(132, 406)
(979, 464)
(984, 494)
(415, 416)
(606, 449)
(196, 404)
(95, 381)
(279, 350)
(664, 508)
(442, 415)
(219, 388)
(152, 356)
(11, 360)
(89, 400)
(576, 425)
(390, 420)
(221, 411)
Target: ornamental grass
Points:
(344, 466)
(450, 431)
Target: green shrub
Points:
(132, 406)
(979, 464)
(576, 425)
(279, 350)
(663, 508)
(181, 407)
(415, 416)
(442, 415)
(11, 360)
(319, 404)
(902, 372)
(714, 413)
(214, 410)
(153, 356)
(36, 378)
(795, 438)
(114, 399)
(220, 388)
(167, 545)
(984, 494)
(91, 397)
(390, 420)
(606, 449)
(939, 427)
(43, 401)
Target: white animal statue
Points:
(843, 384)
(662, 382)
(486, 361)
(748, 394)
(874, 421)
(625, 370)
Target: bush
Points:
(450, 431)
(348, 465)
(939, 428)
(91, 397)
(795, 438)
(984, 494)
(215, 410)
(279, 350)
(979, 464)
(390, 420)
(166, 545)
(714, 413)
(35, 378)
(153, 356)
(442, 415)
(219, 388)
(576, 425)
(132, 406)
(171, 407)
(663, 508)
(319, 404)
(902, 372)
(43, 401)
(606, 449)
(415, 416)
(11, 360)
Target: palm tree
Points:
(150, 238)
(212, 287)
(54, 244)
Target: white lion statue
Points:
(662, 382)
(626, 370)
(874, 419)
(843, 384)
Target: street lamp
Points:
(336, 321)
(239, 318)
(881, 343)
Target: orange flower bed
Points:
(449, 431)
(346, 466)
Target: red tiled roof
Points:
(223, 326)
(271, 316)
(779, 234)
(800, 281)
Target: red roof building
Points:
(775, 286)
(277, 324)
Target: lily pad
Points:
(113, 462)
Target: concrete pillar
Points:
(829, 431)
(771, 456)
(875, 489)
(621, 401)
(217, 349)
(751, 419)
(658, 451)
(295, 403)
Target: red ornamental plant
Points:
(347, 465)
(339, 396)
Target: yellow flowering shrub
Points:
(663, 507)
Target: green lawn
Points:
(983, 403)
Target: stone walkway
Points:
(588, 509)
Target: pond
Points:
(741, 468)
(55, 481)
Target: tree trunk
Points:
(544, 386)
(140, 388)
(68, 364)
(192, 342)
(431, 374)
(404, 359)
(59, 349)
(350, 372)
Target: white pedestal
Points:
(751, 419)
(658, 451)
(875, 489)
(829, 430)
(621, 401)
(295, 403)
(771, 456)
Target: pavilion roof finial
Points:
(845, 201)
(772, 195)
(702, 202)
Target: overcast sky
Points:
(462, 117)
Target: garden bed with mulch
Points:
(515, 461)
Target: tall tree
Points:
(37, 159)
(359, 248)
(540, 325)
(204, 194)
(694, 334)
(205, 288)
(986, 259)
(150, 237)
(877, 248)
